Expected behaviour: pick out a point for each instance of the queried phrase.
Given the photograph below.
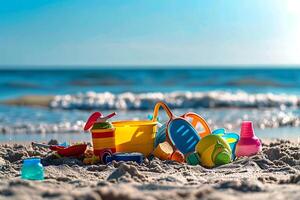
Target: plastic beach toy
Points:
(103, 132)
(180, 133)
(198, 123)
(103, 138)
(135, 157)
(97, 117)
(177, 156)
(248, 144)
(32, 169)
(213, 150)
(69, 151)
(194, 119)
(231, 139)
(135, 136)
(163, 151)
(193, 159)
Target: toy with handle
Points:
(103, 132)
(70, 151)
(195, 120)
(97, 117)
(198, 122)
(104, 119)
(180, 133)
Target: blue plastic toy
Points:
(179, 132)
(32, 169)
(135, 157)
(160, 136)
(183, 135)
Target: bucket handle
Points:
(165, 107)
(197, 118)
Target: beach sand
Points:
(29, 100)
(272, 174)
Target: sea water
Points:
(224, 97)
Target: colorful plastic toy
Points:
(75, 150)
(32, 169)
(64, 144)
(135, 157)
(198, 123)
(160, 136)
(231, 139)
(103, 138)
(135, 136)
(97, 117)
(163, 151)
(180, 133)
(248, 144)
(104, 154)
(193, 159)
(91, 158)
(103, 133)
(213, 150)
(177, 156)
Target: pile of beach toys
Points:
(186, 138)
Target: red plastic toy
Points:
(70, 151)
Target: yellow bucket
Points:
(135, 136)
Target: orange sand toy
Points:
(198, 123)
(181, 131)
(135, 136)
(177, 156)
(163, 151)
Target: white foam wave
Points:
(262, 119)
(42, 128)
(141, 101)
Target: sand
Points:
(272, 174)
(29, 100)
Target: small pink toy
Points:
(248, 144)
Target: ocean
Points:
(224, 97)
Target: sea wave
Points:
(42, 128)
(230, 120)
(144, 101)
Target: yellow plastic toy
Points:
(213, 151)
(163, 151)
(135, 136)
(103, 133)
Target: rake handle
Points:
(165, 107)
(197, 118)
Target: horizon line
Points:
(135, 66)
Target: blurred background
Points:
(227, 60)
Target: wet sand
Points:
(29, 100)
(272, 174)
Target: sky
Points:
(154, 32)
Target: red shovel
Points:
(75, 150)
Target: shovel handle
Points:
(165, 107)
(103, 119)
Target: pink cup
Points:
(248, 144)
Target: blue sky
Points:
(153, 32)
